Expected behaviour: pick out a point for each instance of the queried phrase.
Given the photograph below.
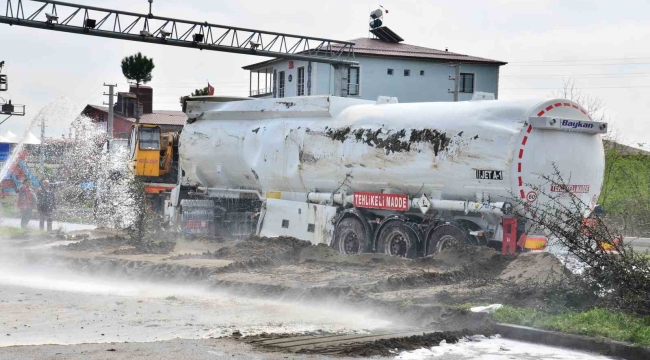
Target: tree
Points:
(625, 193)
(137, 68)
(619, 276)
(198, 92)
(593, 105)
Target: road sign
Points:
(4, 84)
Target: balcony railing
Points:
(262, 92)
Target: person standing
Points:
(46, 204)
(26, 202)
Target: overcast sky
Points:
(603, 45)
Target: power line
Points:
(201, 83)
(607, 64)
(575, 60)
(578, 88)
(594, 76)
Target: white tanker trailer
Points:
(366, 176)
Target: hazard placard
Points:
(398, 202)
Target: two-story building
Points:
(410, 73)
(124, 113)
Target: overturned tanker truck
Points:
(379, 176)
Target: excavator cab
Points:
(152, 152)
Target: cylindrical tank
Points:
(376, 14)
(454, 151)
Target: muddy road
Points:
(104, 297)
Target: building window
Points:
(390, 71)
(421, 72)
(466, 83)
(149, 138)
(300, 91)
(353, 80)
(281, 84)
(407, 72)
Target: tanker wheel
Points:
(350, 236)
(398, 240)
(446, 236)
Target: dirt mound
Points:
(120, 246)
(320, 252)
(101, 244)
(460, 256)
(324, 253)
(533, 267)
(281, 248)
(388, 347)
(160, 248)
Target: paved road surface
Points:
(638, 244)
(141, 320)
(33, 224)
(160, 350)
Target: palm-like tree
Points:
(137, 68)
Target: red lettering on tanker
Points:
(576, 189)
(398, 202)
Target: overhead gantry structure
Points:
(149, 28)
(152, 29)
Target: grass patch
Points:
(598, 323)
(8, 206)
(626, 180)
(6, 231)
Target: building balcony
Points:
(259, 93)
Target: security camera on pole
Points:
(7, 107)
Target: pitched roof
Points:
(158, 117)
(127, 94)
(382, 48)
(376, 47)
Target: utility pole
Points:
(109, 127)
(41, 157)
(456, 80)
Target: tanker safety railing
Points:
(423, 203)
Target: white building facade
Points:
(410, 73)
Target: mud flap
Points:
(509, 245)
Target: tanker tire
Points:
(350, 236)
(398, 240)
(446, 235)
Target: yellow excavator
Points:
(154, 160)
(153, 153)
